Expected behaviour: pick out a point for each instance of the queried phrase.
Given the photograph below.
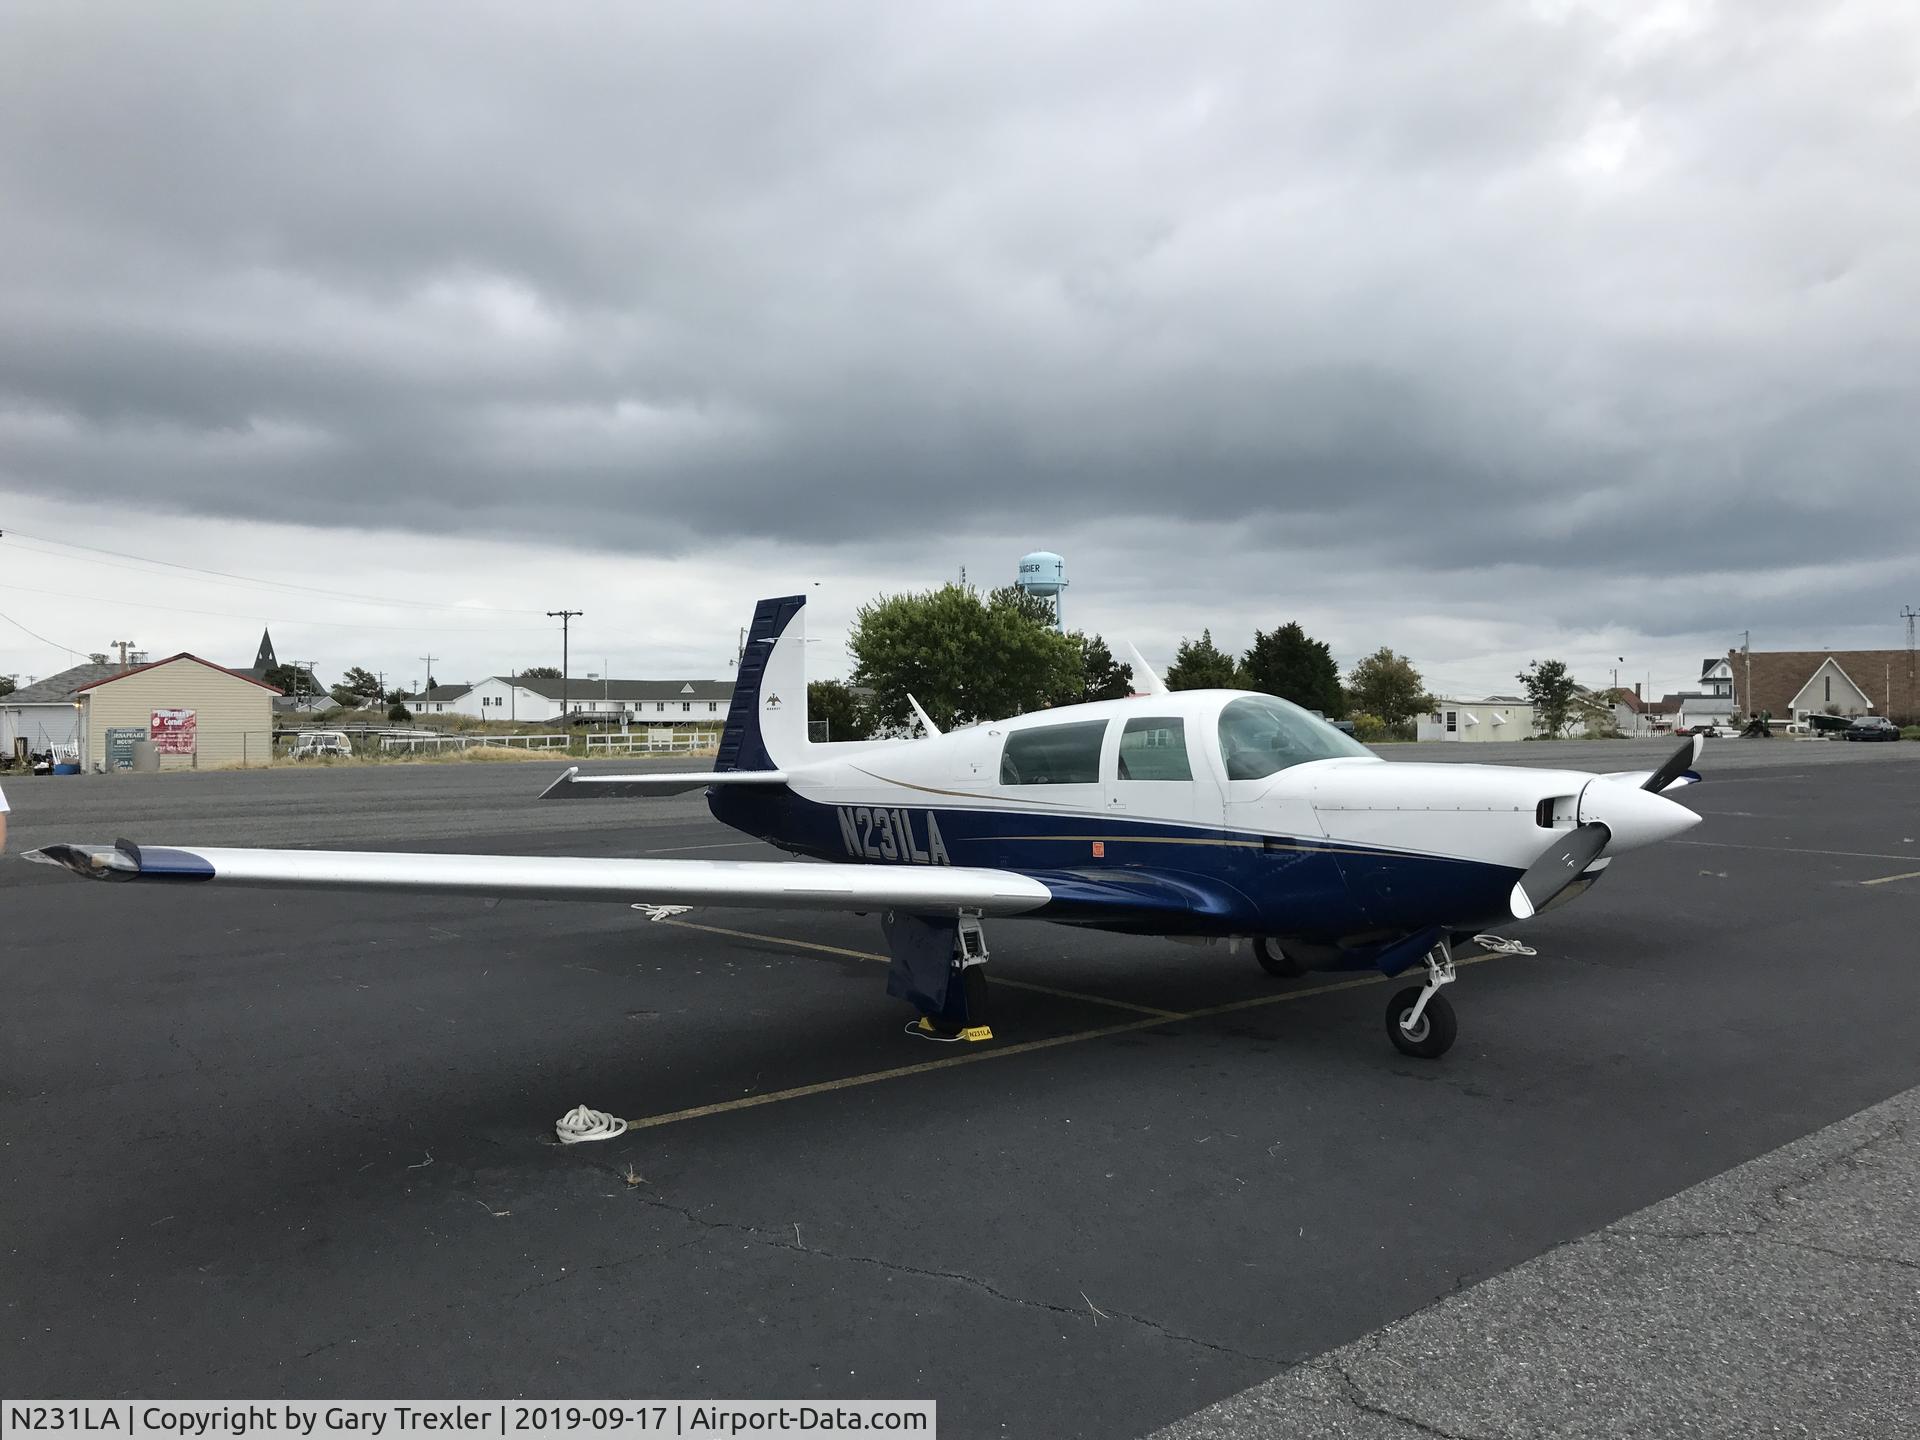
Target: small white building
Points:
(1496, 717)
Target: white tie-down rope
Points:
(1493, 944)
(580, 1125)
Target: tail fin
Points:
(767, 724)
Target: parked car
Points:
(1872, 727)
(1829, 725)
(313, 744)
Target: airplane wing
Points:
(918, 889)
(572, 785)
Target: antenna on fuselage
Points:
(932, 729)
(1145, 681)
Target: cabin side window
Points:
(1152, 748)
(1053, 754)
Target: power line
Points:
(229, 576)
(283, 620)
(41, 638)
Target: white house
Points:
(1497, 717)
(440, 700)
(46, 714)
(521, 698)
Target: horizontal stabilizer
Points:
(917, 889)
(574, 786)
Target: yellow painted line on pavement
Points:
(881, 959)
(1889, 879)
(979, 1055)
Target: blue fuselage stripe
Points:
(1152, 875)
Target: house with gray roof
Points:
(46, 714)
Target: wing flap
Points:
(918, 889)
(572, 785)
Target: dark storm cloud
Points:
(1411, 291)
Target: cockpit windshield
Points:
(1260, 734)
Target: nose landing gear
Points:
(1420, 1020)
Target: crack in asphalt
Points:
(525, 1290)
(776, 1240)
(1357, 1398)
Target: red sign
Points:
(172, 732)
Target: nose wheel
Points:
(1420, 1020)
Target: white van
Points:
(313, 744)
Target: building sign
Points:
(173, 732)
(120, 742)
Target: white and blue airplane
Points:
(1208, 814)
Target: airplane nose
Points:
(1636, 817)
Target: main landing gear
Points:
(1278, 962)
(1420, 1019)
(939, 967)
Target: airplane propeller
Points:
(1677, 764)
(1558, 868)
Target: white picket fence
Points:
(653, 742)
(415, 743)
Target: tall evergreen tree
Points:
(1290, 663)
(1102, 677)
(1202, 665)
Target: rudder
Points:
(767, 721)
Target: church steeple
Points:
(265, 660)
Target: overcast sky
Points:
(1485, 332)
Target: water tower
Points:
(1044, 573)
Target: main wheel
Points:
(1432, 1036)
(1275, 961)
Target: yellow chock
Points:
(977, 1032)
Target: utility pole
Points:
(1910, 615)
(427, 660)
(1746, 646)
(565, 617)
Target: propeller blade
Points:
(1677, 764)
(1558, 868)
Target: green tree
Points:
(294, 680)
(8, 685)
(1387, 685)
(1101, 676)
(398, 713)
(1202, 665)
(841, 707)
(360, 688)
(1034, 607)
(963, 658)
(1551, 688)
(1290, 663)
(540, 672)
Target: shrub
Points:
(1369, 727)
(1910, 732)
